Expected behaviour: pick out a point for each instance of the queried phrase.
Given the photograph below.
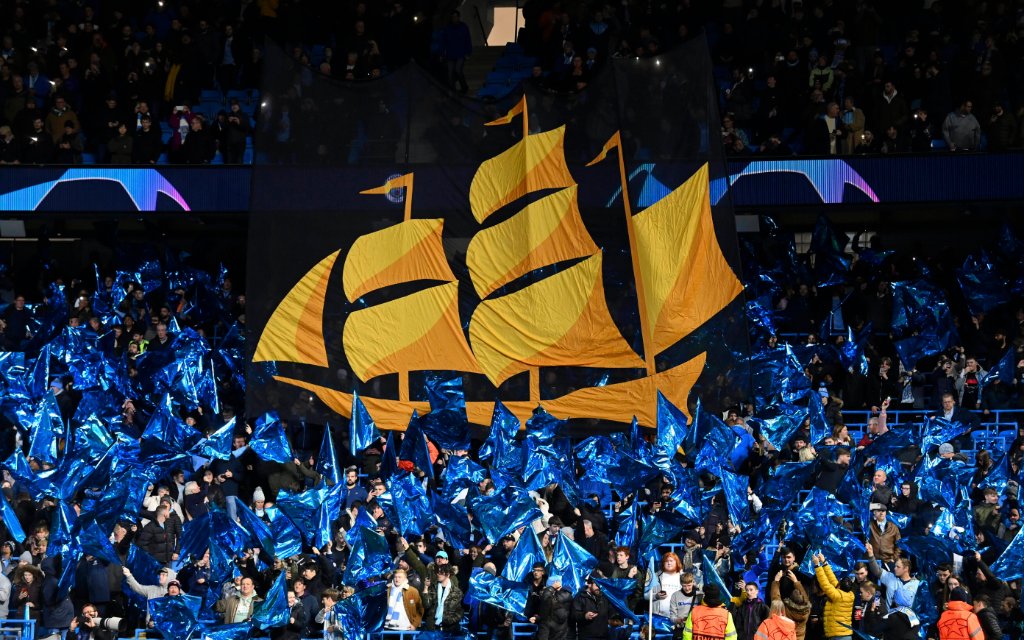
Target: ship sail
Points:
(417, 332)
(405, 252)
(685, 276)
(545, 232)
(294, 332)
(534, 163)
(562, 320)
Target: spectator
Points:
(456, 46)
(591, 611)
(750, 612)
(442, 603)
(958, 620)
(777, 626)
(148, 144)
(1001, 130)
(70, 145)
(405, 609)
(161, 537)
(797, 604)
(710, 619)
(961, 130)
(884, 534)
(921, 132)
(891, 109)
(37, 146)
(839, 608)
(853, 123)
(59, 117)
(240, 607)
(120, 147)
(198, 147)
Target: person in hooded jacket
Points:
(555, 611)
(958, 621)
(777, 626)
(57, 610)
(839, 608)
(798, 604)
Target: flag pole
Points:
(641, 293)
(650, 600)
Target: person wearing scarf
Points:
(901, 623)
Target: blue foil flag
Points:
(735, 487)
(831, 266)
(526, 552)
(269, 440)
(618, 591)
(327, 461)
(785, 481)
(258, 530)
(499, 449)
(1010, 565)
(166, 432)
(287, 537)
(984, 288)
(326, 515)
(10, 519)
(716, 450)
(274, 610)
(572, 562)
(851, 353)
(777, 376)
(446, 424)
(462, 472)
(369, 558)
(929, 551)
(414, 446)
(509, 595)
(659, 528)
(237, 631)
(503, 512)
(671, 432)
(45, 427)
(143, 566)
(175, 616)
(362, 429)
(922, 323)
(452, 519)
(779, 422)
(626, 534)
(412, 505)
(711, 575)
(389, 461)
(302, 508)
(936, 431)
(95, 543)
(362, 613)
(820, 427)
(195, 538)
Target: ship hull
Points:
(618, 402)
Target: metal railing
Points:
(18, 629)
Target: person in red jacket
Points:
(958, 621)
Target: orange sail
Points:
(562, 320)
(534, 163)
(294, 332)
(417, 332)
(686, 278)
(405, 252)
(545, 232)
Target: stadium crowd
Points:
(928, 521)
(814, 77)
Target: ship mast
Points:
(645, 323)
(398, 183)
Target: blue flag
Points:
(1010, 565)
(500, 448)
(11, 521)
(175, 616)
(572, 562)
(524, 555)
(711, 575)
(503, 512)
(671, 432)
(269, 440)
(735, 487)
(327, 461)
(362, 613)
(362, 429)
(414, 446)
(370, 556)
(509, 595)
(274, 610)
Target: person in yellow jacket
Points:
(776, 626)
(710, 620)
(839, 608)
(958, 621)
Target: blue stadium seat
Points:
(88, 158)
(212, 95)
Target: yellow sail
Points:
(562, 320)
(686, 278)
(405, 252)
(534, 163)
(295, 330)
(416, 332)
(546, 232)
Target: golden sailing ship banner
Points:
(549, 250)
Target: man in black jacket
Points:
(161, 536)
(552, 618)
(590, 611)
(987, 617)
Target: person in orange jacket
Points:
(776, 626)
(958, 621)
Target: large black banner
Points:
(493, 242)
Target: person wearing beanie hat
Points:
(710, 620)
(883, 533)
(554, 611)
(958, 621)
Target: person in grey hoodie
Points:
(961, 129)
(150, 591)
